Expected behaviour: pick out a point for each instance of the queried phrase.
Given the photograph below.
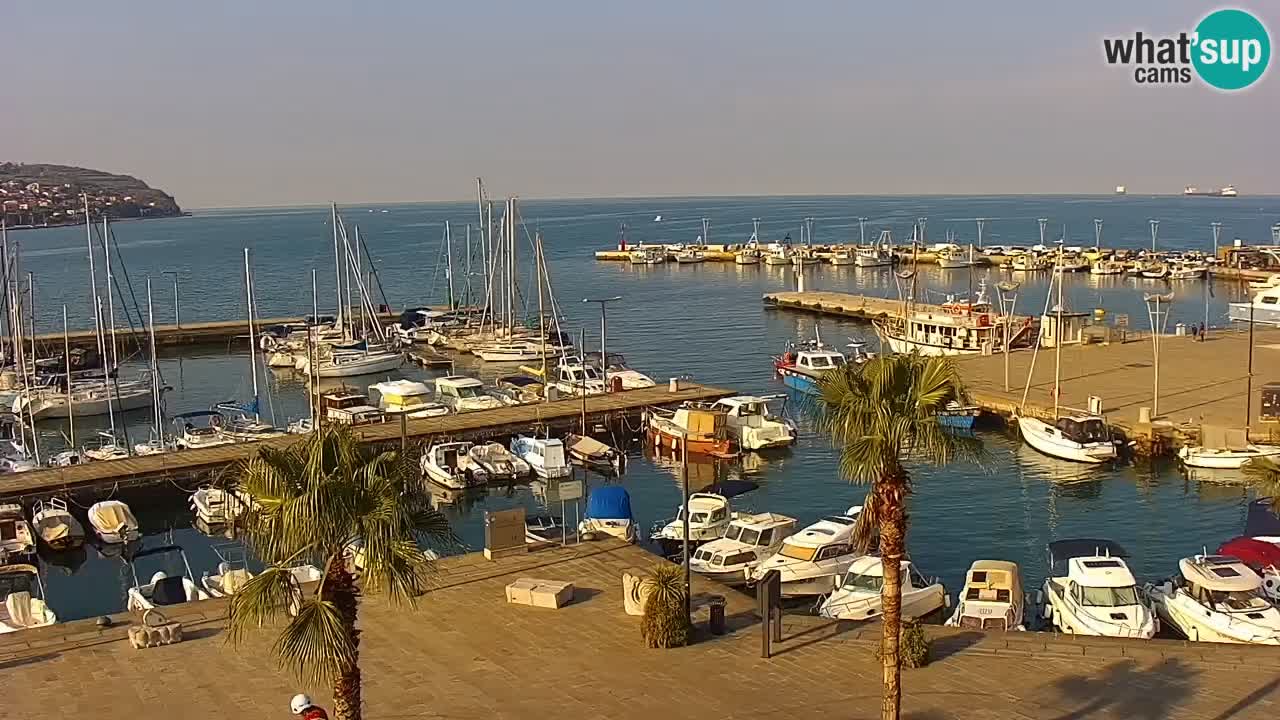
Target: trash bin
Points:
(715, 615)
(1180, 329)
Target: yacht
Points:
(801, 366)
(56, 526)
(1262, 557)
(709, 516)
(699, 430)
(752, 426)
(510, 351)
(16, 538)
(546, 456)
(1216, 599)
(1090, 591)
(22, 599)
(352, 361)
(113, 522)
(943, 334)
(1079, 438)
(163, 590)
(812, 561)
(498, 464)
(608, 515)
(462, 394)
(859, 595)
(450, 465)
(747, 541)
(406, 397)
(1263, 309)
(87, 397)
(992, 598)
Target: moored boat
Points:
(546, 456)
(608, 515)
(113, 522)
(16, 538)
(591, 453)
(812, 561)
(698, 430)
(858, 597)
(747, 541)
(1079, 438)
(56, 526)
(1090, 591)
(163, 589)
(992, 597)
(22, 599)
(450, 465)
(752, 426)
(1215, 598)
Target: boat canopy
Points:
(1257, 554)
(731, 488)
(609, 502)
(520, 381)
(1083, 429)
(1219, 573)
(197, 414)
(1063, 550)
(1260, 521)
(992, 575)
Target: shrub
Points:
(913, 645)
(665, 623)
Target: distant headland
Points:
(39, 195)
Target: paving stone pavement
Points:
(463, 652)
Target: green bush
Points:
(665, 623)
(913, 645)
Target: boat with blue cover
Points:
(608, 514)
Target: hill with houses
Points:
(40, 195)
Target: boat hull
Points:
(56, 407)
(902, 346)
(1224, 460)
(366, 366)
(1240, 312)
(1035, 433)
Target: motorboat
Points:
(1078, 438)
(954, 258)
(777, 255)
(113, 522)
(1226, 458)
(647, 256)
(1071, 262)
(802, 365)
(1271, 281)
(696, 429)
(518, 389)
(16, 538)
(608, 515)
(1106, 266)
(709, 515)
(958, 416)
(406, 397)
(591, 453)
(417, 324)
(868, 257)
(1216, 598)
(450, 465)
(859, 595)
(812, 561)
(1091, 591)
(689, 256)
(239, 425)
(546, 529)
(749, 256)
(460, 393)
(573, 377)
(497, 462)
(752, 426)
(1154, 271)
(22, 599)
(1030, 262)
(163, 590)
(842, 257)
(216, 506)
(747, 541)
(199, 429)
(1263, 309)
(344, 406)
(617, 368)
(56, 526)
(992, 597)
(231, 575)
(1262, 557)
(546, 456)
(1183, 271)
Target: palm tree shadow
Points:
(1124, 690)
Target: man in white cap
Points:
(302, 705)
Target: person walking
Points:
(302, 705)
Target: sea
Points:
(702, 321)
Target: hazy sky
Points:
(269, 103)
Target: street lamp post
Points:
(604, 335)
(1008, 293)
(1154, 313)
(177, 317)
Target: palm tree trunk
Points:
(340, 589)
(890, 494)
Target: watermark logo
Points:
(1228, 50)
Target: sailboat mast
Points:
(253, 345)
(467, 268)
(66, 355)
(315, 301)
(97, 312)
(542, 325)
(1057, 337)
(448, 252)
(155, 366)
(359, 272)
(93, 283)
(111, 306)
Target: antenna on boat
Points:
(1155, 230)
(862, 231)
(1097, 232)
(981, 223)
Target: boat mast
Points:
(359, 272)
(253, 345)
(315, 301)
(155, 367)
(66, 353)
(93, 289)
(337, 267)
(539, 267)
(1057, 336)
(111, 306)
(111, 413)
(467, 282)
(448, 252)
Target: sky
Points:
(250, 103)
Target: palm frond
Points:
(316, 643)
(259, 601)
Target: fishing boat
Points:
(992, 597)
(842, 256)
(591, 453)
(959, 416)
(546, 456)
(944, 334)
(752, 426)
(497, 462)
(113, 522)
(608, 515)
(777, 255)
(698, 430)
(16, 538)
(647, 256)
(954, 258)
(1090, 591)
(1215, 598)
(747, 541)
(871, 257)
(56, 526)
(802, 365)
(747, 256)
(1263, 309)
(710, 513)
(460, 393)
(406, 397)
(163, 590)
(1030, 262)
(1106, 266)
(450, 465)
(858, 596)
(22, 599)
(690, 256)
(1079, 438)
(812, 561)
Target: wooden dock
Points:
(838, 304)
(558, 415)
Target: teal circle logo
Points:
(1232, 49)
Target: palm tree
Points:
(1264, 475)
(882, 415)
(331, 501)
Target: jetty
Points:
(838, 304)
(558, 415)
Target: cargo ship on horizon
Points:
(1227, 191)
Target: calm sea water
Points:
(706, 321)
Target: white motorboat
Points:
(113, 522)
(1216, 599)
(617, 368)
(749, 256)
(406, 397)
(1106, 266)
(515, 351)
(1271, 281)
(216, 506)
(545, 456)
(88, 398)
(450, 465)
(954, 258)
(812, 561)
(1030, 262)
(709, 515)
(232, 572)
(1071, 263)
(690, 256)
(350, 363)
(868, 257)
(802, 365)
(1090, 591)
(462, 394)
(547, 529)
(199, 429)
(1226, 458)
(164, 589)
(1079, 438)
(1182, 271)
(858, 596)
(572, 377)
(842, 257)
(497, 462)
(345, 406)
(747, 541)
(1154, 271)
(608, 515)
(591, 453)
(16, 538)
(777, 255)
(751, 424)
(992, 598)
(1263, 309)
(647, 256)
(22, 599)
(56, 526)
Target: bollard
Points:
(769, 605)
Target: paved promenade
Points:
(465, 653)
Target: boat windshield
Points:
(1108, 596)
(1083, 431)
(747, 536)
(796, 552)
(15, 582)
(468, 391)
(1248, 600)
(869, 583)
(697, 517)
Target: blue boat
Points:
(802, 365)
(608, 515)
(959, 417)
